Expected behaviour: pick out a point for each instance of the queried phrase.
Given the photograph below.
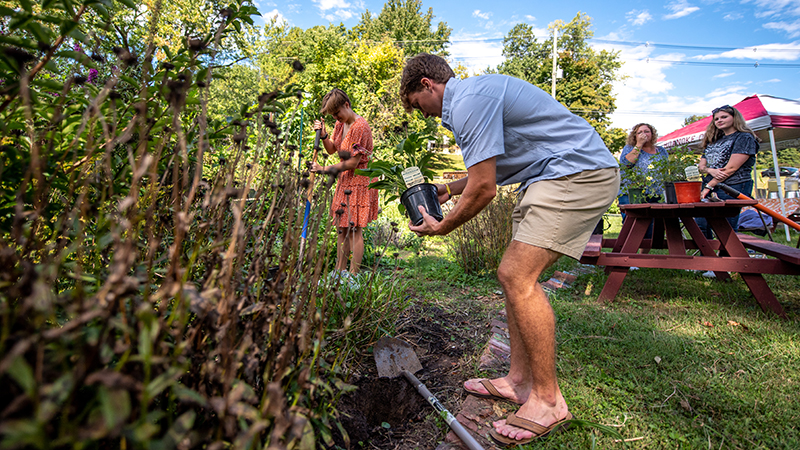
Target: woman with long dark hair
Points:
(729, 154)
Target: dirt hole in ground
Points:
(379, 406)
(389, 413)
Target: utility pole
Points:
(555, 60)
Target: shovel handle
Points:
(454, 424)
(734, 193)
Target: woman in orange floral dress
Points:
(354, 205)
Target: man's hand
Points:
(429, 225)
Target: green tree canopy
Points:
(403, 20)
(693, 118)
(588, 75)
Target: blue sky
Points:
(680, 57)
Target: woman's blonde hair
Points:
(632, 135)
(713, 133)
(333, 101)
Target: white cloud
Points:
(774, 80)
(639, 18)
(733, 16)
(475, 54)
(339, 10)
(667, 112)
(679, 9)
(481, 15)
(325, 5)
(779, 52)
(641, 82)
(723, 75)
(767, 8)
(792, 29)
(276, 15)
(530, 18)
(339, 15)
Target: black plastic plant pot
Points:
(424, 194)
(669, 192)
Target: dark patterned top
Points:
(719, 153)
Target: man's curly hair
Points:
(422, 66)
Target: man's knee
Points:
(523, 264)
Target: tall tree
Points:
(693, 118)
(403, 21)
(588, 75)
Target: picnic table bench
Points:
(724, 254)
(780, 251)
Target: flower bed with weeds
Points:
(157, 288)
(478, 245)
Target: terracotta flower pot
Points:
(688, 191)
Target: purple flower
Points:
(77, 47)
(92, 75)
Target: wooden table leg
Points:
(658, 233)
(758, 286)
(702, 243)
(616, 275)
(675, 242)
(627, 225)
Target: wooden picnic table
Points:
(724, 254)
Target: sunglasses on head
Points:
(722, 108)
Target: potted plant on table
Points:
(635, 181)
(413, 188)
(673, 170)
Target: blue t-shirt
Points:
(644, 165)
(532, 135)
(718, 153)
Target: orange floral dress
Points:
(361, 207)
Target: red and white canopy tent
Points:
(775, 120)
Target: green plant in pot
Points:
(635, 181)
(673, 169)
(408, 153)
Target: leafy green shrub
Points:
(478, 245)
(407, 153)
(157, 291)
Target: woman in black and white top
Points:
(729, 154)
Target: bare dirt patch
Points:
(389, 413)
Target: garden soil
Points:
(389, 413)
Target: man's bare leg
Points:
(532, 332)
(516, 386)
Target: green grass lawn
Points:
(675, 361)
(446, 162)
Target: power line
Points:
(722, 64)
(753, 48)
(685, 63)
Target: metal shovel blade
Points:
(393, 356)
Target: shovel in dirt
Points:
(393, 358)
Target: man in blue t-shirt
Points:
(512, 132)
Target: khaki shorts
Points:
(561, 214)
